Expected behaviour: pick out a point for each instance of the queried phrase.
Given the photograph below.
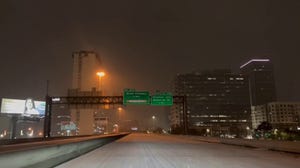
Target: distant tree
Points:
(264, 129)
(264, 126)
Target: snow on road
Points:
(163, 151)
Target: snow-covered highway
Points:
(164, 151)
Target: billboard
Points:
(28, 107)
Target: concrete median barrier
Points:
(50, 153)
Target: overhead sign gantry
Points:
(130, 96)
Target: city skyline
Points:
(144, 45)
(157, 83)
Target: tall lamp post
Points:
(100, 75)
(153, 120)
(119, 114)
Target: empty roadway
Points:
(152, 150)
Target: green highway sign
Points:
(131, 96)
(162, 99)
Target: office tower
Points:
(261, 81)
(217, 103)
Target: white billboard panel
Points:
(28, 107)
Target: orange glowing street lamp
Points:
(100, 75)
(119, 114)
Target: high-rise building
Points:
(281, 115)
(217, 103)
(261, 81)
(85, 66)
(85, 83)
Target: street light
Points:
(100, 75)
(153, 119)
(207, 132)
(119, 114)
(249, 133)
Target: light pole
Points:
(208, 132)
(248, 132)
(119, 114)
(100, 75)
(153, 120)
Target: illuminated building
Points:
(281, 115)
(261, 81)
(217, 101)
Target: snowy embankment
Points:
(284, 146)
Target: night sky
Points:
(144, 44)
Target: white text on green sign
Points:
(136, 97)
(162, 100)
